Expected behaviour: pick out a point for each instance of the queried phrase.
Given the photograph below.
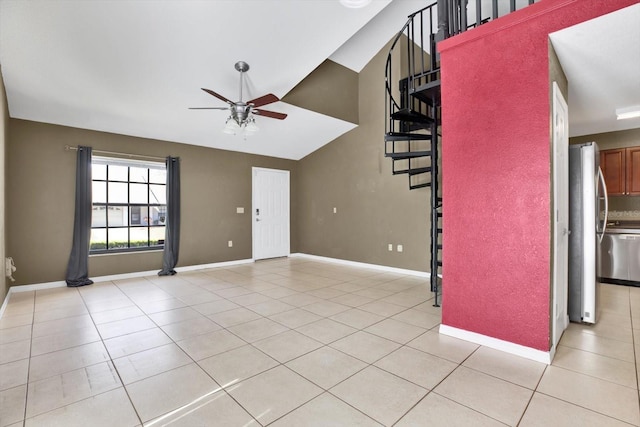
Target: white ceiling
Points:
(134, 67)
(601, 59)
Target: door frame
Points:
(254, 218)
(560, 291)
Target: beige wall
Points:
(374, 208)
(4, 129)
(40, 198)
(556, 74)
(610, 140)
(330, 89)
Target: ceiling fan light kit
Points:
(241, 118)
(251, 127)
(231, 127)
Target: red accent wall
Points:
(496, 171)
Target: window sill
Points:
(125, 253)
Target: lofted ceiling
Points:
(135, 67)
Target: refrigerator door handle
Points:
(606, 204)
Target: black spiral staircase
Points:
(412, 103)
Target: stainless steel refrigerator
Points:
(587, 222)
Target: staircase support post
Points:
(434, 202)
(443, 21)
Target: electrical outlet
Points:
(240, 210)
(399, 248)
(230, 243)
(390, 247)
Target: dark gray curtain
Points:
(78, 267)
(172, 229)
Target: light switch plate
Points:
(400, 248)
(239, 210)
(230, 243)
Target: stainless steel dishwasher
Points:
(620, 254)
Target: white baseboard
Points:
(4, 303)
(498, 344)
(178, 269)
(214, 265)
(62, 283)
(363, 265)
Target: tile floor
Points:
(294, 342)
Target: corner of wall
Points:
(498, 281)
(350, 205)
(330, 89)
(4, 132)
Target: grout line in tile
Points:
(532, 394)
(469, 407)
(635, 353)
(111, 359)
(531, 397)
(78, 401)
(570, 369)
(333, 395)
(26, 390)
(581, 406)
(292, 277)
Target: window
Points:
(129, 205)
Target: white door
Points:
(561, 215)
(270, 213)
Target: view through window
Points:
(129, 205)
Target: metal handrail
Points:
(392, 104)
(452, 18)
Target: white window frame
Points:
(150, 221)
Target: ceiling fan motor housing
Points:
(240, 111)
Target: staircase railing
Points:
(412, 99)
(431, 24)
(418, 62)
(461, 15)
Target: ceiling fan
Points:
(242, 112)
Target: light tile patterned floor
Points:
(295, 342)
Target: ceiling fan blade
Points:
(271, 114)
(264, 100)
(208, 108)
(217, 95)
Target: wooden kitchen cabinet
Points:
(633, 171)
(613, 165)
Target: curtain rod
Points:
(115, 153)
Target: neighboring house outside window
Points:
(129, 205)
